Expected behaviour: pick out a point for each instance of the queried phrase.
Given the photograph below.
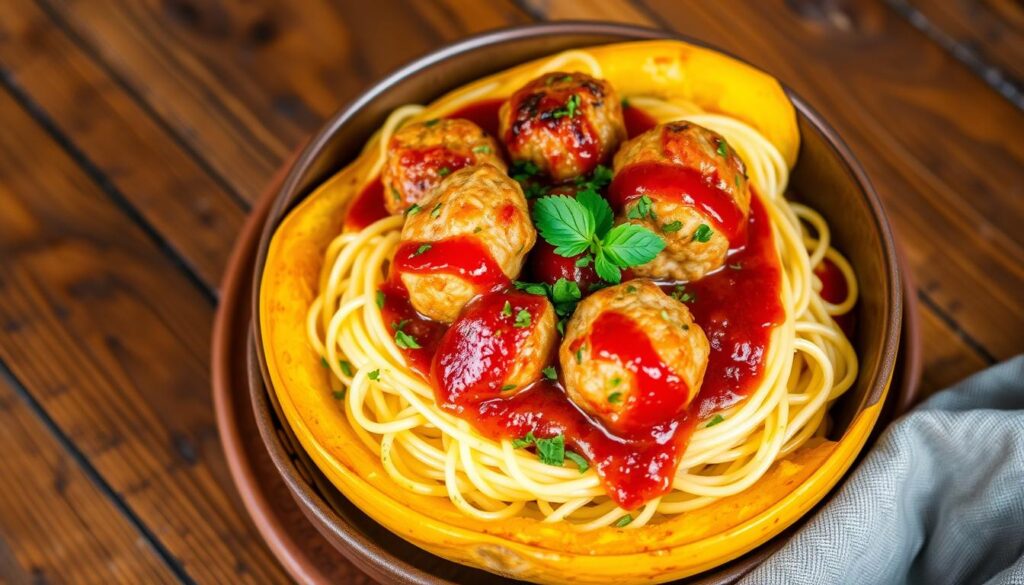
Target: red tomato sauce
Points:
(835, 290)
(683, 185)
(367, 207)
(483, 113)
(637, 121)
(463, 256)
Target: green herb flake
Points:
(550, 373)
(566, 78)
(714, 420)
(346, 368)
(723, 148)
(625, 102)
(664, 315)
(578, 459)
(703, 233)
(444, 172)
(623, 522)
(380, 299)
(508, 387)
(374, 375)
(630, 288)
(560, 326)
(482, 149)
(680, 294)
(551, 451)
(615, 397)
(642, 208)
(436, 211)
(523, 319)
(579, 354)
(533, 288)
(405, 341)
(523, 170)
(507, 309)
(569, 109)
(339, 394)
(526, 441)
(323, 362)
(421, 249)
(565, 291)
(431, 122)
(413, 210)
(674, 226)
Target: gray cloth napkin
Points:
(940, 498)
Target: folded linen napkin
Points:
(940, 498)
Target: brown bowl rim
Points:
(288, 195)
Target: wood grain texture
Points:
(990, 32)
(113, 342)
(243, 82)
(55, 524)
(936, 141)
(128, 149)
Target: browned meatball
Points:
(565, 123)
(632, 356)
(686, 184)
(470, 236)
(497, 347)
(421, 154)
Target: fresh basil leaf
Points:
(607, 269)
(599, 208)
(631, 245)
(565, 223)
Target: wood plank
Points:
(243, 82)
(987, 33)
(129, 150)
(952, 182)
(113, 342)
(56, 525)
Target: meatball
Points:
(497, 347)
(421, 154)
(632, 356)
(685, 183)
(564, 123)
(470, 236)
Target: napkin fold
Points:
(940, 498)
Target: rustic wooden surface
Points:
(137, 134)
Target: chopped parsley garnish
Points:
(533, 288)
(615, 397)
(444, 172)
(422, 249)
(723, 148)
(579, 354)
(576, 225)
(551, 451)
(507, 309)
(569, 109)
(560, 326)
(339, 394)
(413, 209)
(346, 368)
(436, 211)
(680, 294)
(578, 459)
(374, 375)
(642, 208)
(431, 122)
(623, 522)
(522, 319)
(395, 194)
(550, 373)
(323, 362)
(565, 291)
(523, 170)
(664, 315)
(703, 233)
(406, 341)
(482, 149)
(714, 420)
(380, 299)
(674, 226)
(524, 442)
(508, 387)
(625, 102)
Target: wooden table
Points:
(134, 136)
